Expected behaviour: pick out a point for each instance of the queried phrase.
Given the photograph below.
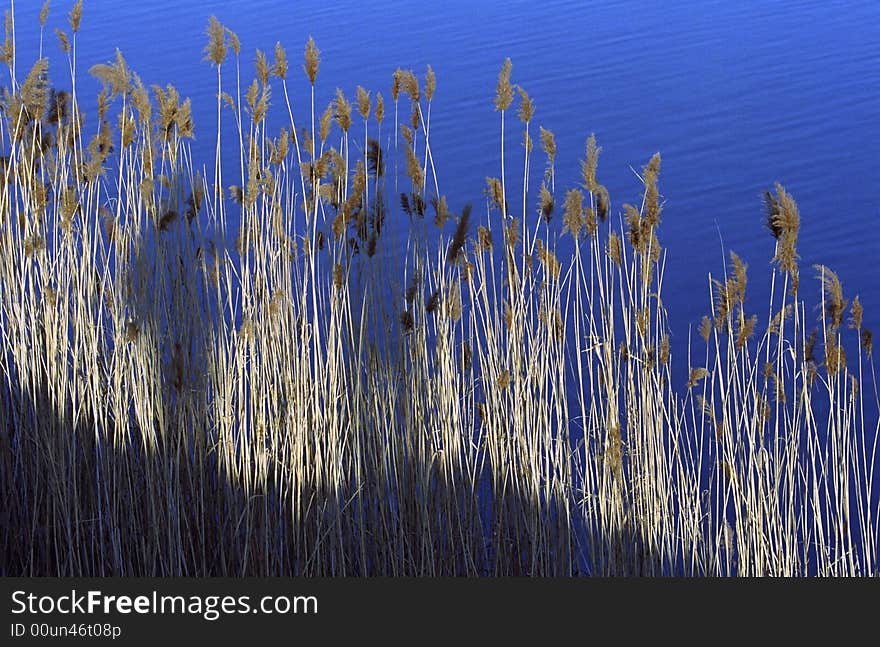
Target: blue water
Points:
(735, 96)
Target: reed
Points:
(213, 376)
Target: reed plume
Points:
(312, 61)
(216, 49)
(504, 90)
(460, 236)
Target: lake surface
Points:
(735, 96)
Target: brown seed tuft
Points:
(453, 303)
(697, 374)
(342, 108)
(857, 311)
(784, 221)
(810, 348)
(380, 108)
(603, 202)
(573, 213)
(614, 248)
(508, 315)
(867, 339)
(460, 235)
(132, 330)
(835, 357)
(433, 302)
(504, 90)
(215, 50)
(513, 234)
(705, 328)
(835, 304)
(261, 64)
(484, 238)
(545, 205)
(589, 164)
(363, 101)
(313, 60)
(280, 67)
(430, 84)
(664, 350)
(746, 330)
(407, 322)
(494, 191)
(75, 16)
(62, 40)
(441, 211)
(526, 109)
(396, 82)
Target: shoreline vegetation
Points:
(215, 376)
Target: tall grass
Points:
(206, 375)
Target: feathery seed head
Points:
(280, 67)
(407, 322)
(430, 84)
(234, 42)
(835, 357)
(526, 106)
(652, 197)
(363, 101)
(458, 239)
(573, 213)
(441, 211)
(705, 328)
(34, 91)
(75, 16)
(484, 239)
(495, 193)
(62, 40)
(114, 76)
(215, 50)
(380, 108)
(835, 304)
(504, 90)
(603, 202)
(313, 60)
(432, 302)
(414, 169)
(696, 375)
(453, 303)
(396, 83)
(548, 144)
(409, 83)
(325, 122)
(343, 111)
(614, 248)
(545, 203)
(513, 234)
(261, 64)
(589, 165)
(867, 339)
(784, 221)
(746, 330)
(856, 313)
